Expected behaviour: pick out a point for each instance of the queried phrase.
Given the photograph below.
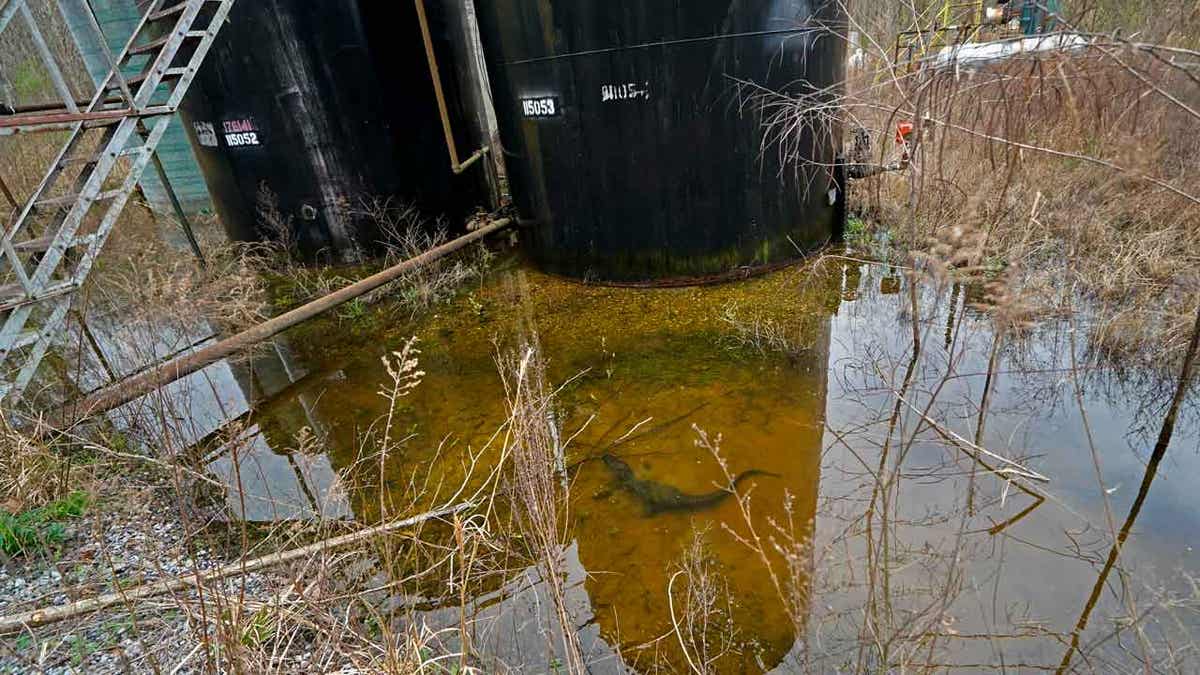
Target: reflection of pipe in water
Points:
(890, 283)
(851, 282)
(263, 485)
(266, 481)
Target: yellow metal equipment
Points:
(953, 22)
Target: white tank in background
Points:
(972, 55)
(858, 57)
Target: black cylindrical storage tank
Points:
(314, 106)
(632, 141)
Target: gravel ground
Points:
(132, 533)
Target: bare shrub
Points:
(701, 613)
(279, 228)
(227, 291)
(405, 233)
(538, 485)
(1068, 168)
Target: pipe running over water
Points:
(127, 390)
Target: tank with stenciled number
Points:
(306, 113)
(634, 133)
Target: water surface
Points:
(949, 565)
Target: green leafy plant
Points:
(42, 526)
(355, 312)
(260, 629)
(28, 81)
(856, 231)
(476, 306)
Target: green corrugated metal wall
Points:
(118, 19)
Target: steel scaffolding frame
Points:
(52, 238)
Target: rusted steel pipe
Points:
(123, 392)
(455, 165)
(61, 117)
(53, 107)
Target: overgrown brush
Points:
(403, 233)
(38, 493)
(1073, 167)
(172, 289)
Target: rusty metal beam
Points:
(61, 120)
(144, 383)
(61, 117)
(57, 107)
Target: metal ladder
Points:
(51, 243)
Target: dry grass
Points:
(227, 291)
(365, 607)
(1075, 171)
(403, 233)
(539, 485)
(31, 474)
(356, 607)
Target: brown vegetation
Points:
(1074, 168)
(1061, 185)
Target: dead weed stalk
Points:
(538, 485)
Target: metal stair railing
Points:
(51, 243)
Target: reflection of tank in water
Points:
(650, 364)
(632, 517)
(274, 464)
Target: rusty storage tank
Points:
(310, 107)
(633, 149)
